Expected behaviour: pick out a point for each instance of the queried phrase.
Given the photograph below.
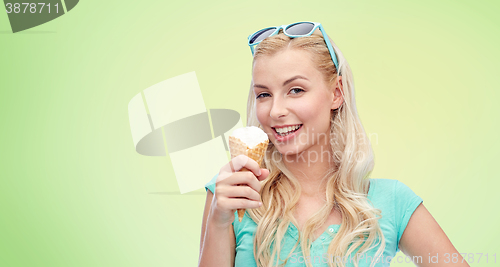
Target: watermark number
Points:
(30, 7)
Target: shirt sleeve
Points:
(406, 201)
(211, 185)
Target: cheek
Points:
(262, 114)
(318, 114)
(308, 112)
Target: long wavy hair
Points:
(347, 182)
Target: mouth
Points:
(286, 133)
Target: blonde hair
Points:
(346, 183)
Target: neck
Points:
(310, 167)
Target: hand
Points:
(236, 190)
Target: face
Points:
(290, 91)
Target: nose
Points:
(279, 108)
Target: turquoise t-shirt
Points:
(396, 201)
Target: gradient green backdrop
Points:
(73, 191)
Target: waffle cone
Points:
(238, 147)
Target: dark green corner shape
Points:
(26, 20)
(188, 132)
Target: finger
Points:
(243, 191)
(264, 174)
(241, 203)
(243, 161)
(232, 167)
(239, 162)
(240, 178)
(226, 171)
(244, 178)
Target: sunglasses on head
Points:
(294, 30)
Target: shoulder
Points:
(387, 186)
(381, 188)
(391, 192)
(397, 202)
(395, 198)
(383, 182)
(404, 201)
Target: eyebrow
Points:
(285, 83)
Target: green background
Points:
(73, 191)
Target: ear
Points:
(337, 96)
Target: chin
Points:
(288, 151)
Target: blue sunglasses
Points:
(294, 30)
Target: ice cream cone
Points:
(238, 147)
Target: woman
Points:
(315, 204)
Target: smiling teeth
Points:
(287, 130)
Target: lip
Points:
(280, 138)
(281, 126)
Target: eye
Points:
(297, 90)
(262, 95)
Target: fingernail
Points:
(260, 172)
(260, 204)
